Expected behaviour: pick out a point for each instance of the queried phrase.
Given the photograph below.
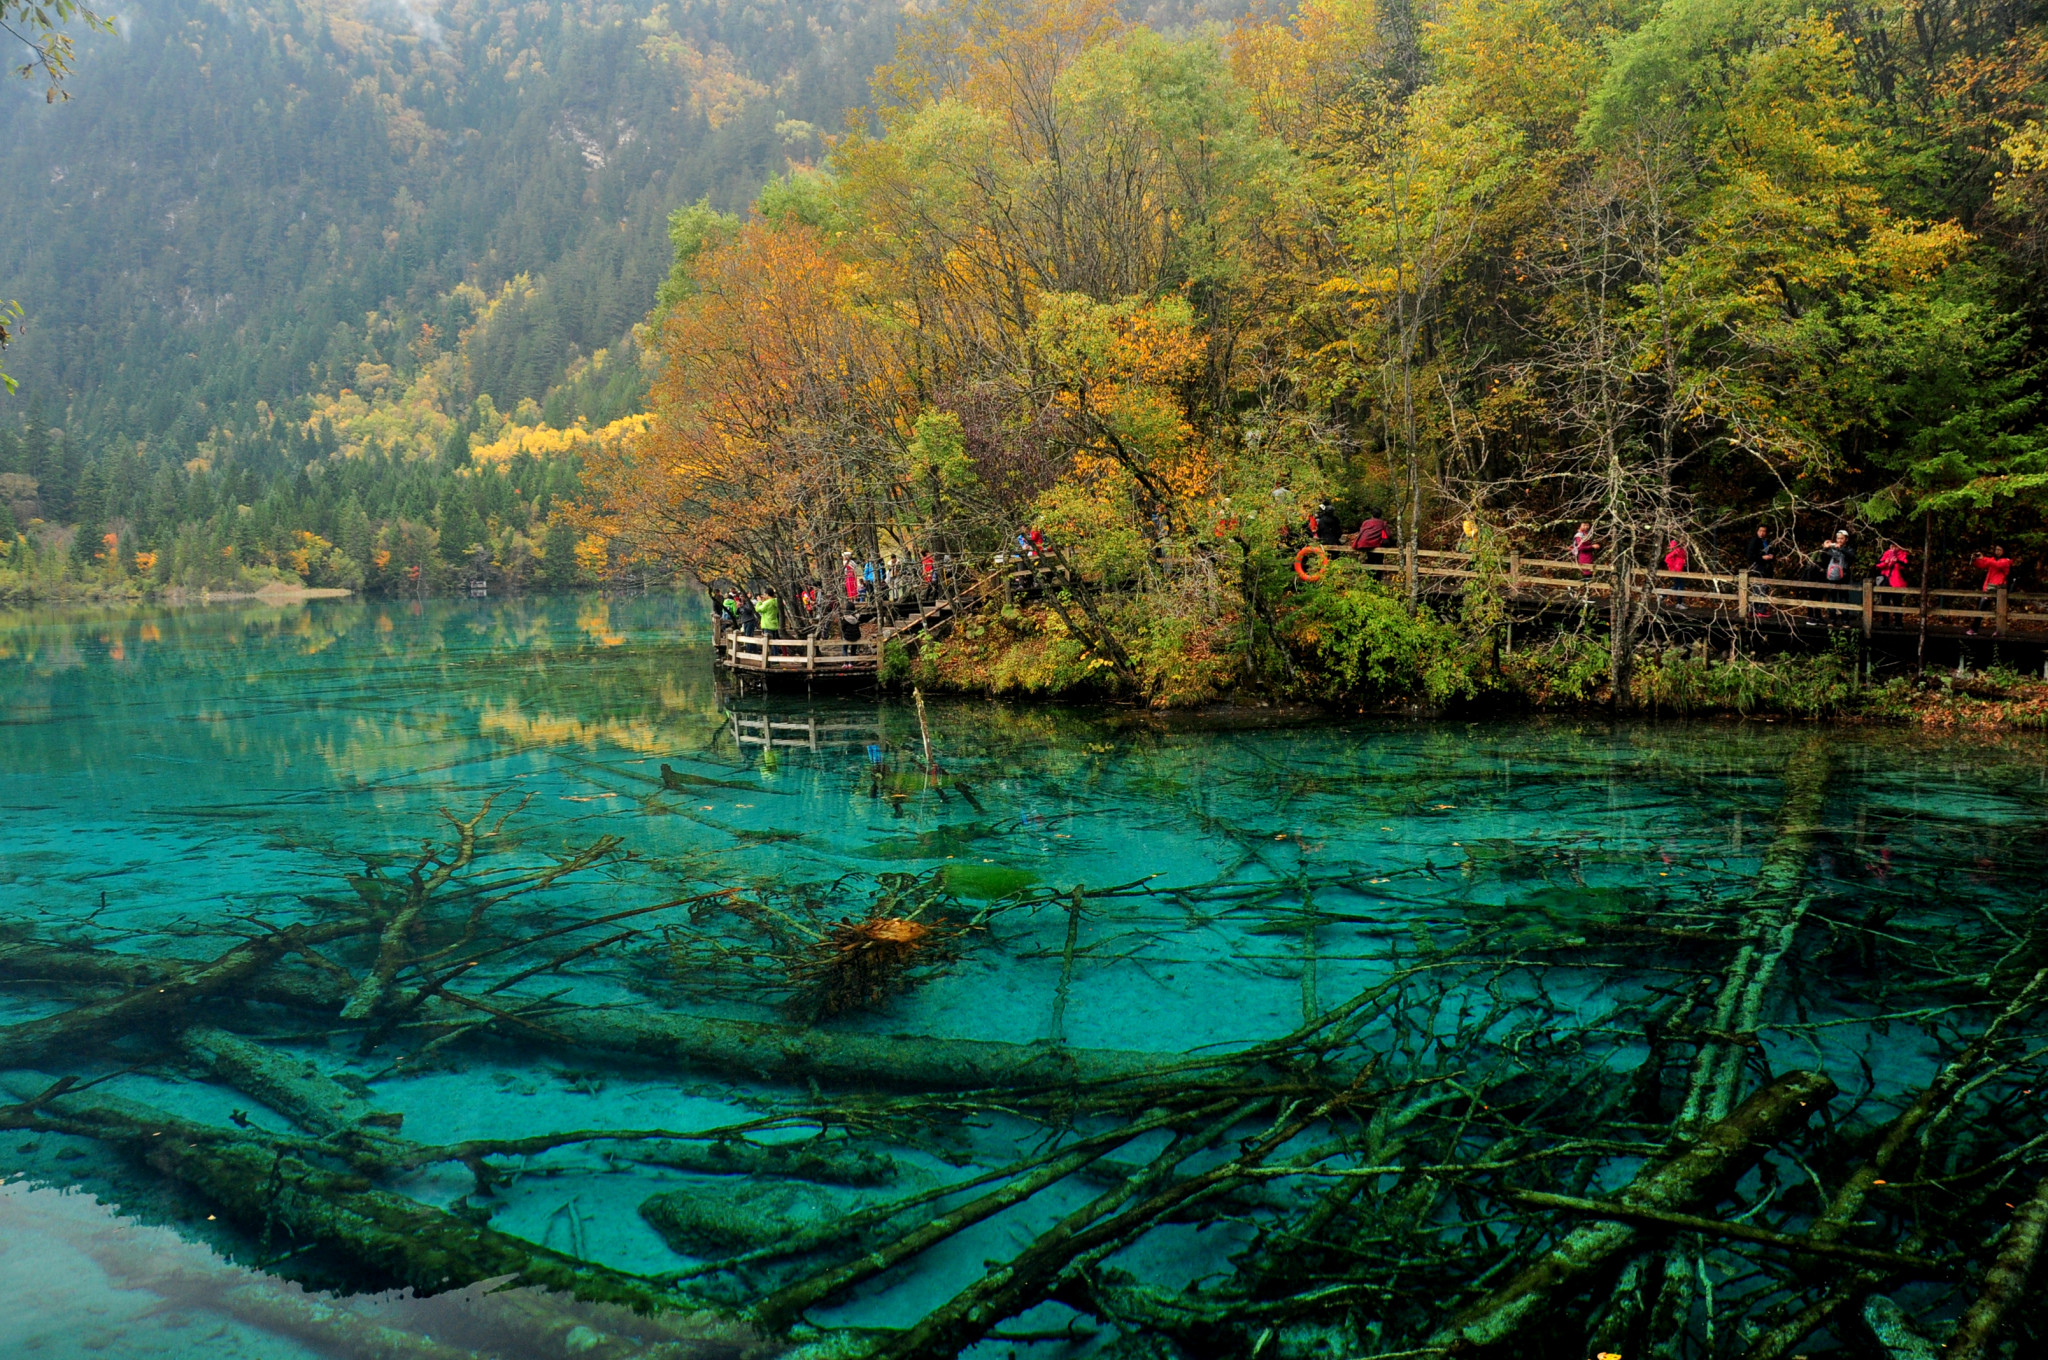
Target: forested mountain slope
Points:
(265, 243)
(246, 203)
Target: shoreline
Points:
(268, 594)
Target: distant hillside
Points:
(246, 209)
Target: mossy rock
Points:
(935, 844)
(727, 1216)
(985, 882)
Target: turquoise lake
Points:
(174, 782)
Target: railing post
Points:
(1409, 568)
(2001, 611)
(1742, 593)
(1869, 607)
(811, 661)
(1514, 573)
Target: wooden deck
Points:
(812, 657)
(816, 660)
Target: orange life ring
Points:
(1302, 556)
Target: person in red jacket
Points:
(1891, 568)
(1372, 536)
(1997, 568)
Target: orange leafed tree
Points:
(779, 415)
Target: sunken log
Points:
(746, 1048)
(263, 1183)
(144, 1008)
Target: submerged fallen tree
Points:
(748, 1049)
(282, 1187)
(1504, 1177)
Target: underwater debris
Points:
(1455, 1148)
(859, 965)
(274, 1183)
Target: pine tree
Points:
(89, 505)
(460, 529)
(355, 536)
(558, 569)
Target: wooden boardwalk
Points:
(1741, 598)
(1688, 598)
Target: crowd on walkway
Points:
(871, 589)
(1765, 555)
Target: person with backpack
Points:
(1372, 536)
(1837, 562)
(1327, 532)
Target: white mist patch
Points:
(416, 15)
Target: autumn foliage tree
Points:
(781, 412)
(1515, 263)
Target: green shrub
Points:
(895, 667)
(1366, 646)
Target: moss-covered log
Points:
(78, 1029)
(280, 984)
(743, 1048)
(2005, 1284)
(840, 1058)
(272, 1189)
(294, 1088)
(1776, 905)
(460, 1325)
(830, 1161)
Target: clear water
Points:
(174, 780)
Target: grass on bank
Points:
(1352, 644)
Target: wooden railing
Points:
(800, 656)
(834, 656)
(1682, 594)
(1999, 610)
